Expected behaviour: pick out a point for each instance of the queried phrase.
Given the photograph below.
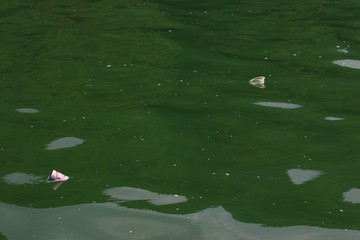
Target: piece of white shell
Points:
(258, 82)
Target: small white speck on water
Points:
(174, 165)
(227, 174)
(130, 231)
(108, 65)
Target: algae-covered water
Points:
(146, 106)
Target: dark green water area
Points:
(147, 107)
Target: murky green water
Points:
(148, 109)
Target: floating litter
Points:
(258, 82)
(56, 176)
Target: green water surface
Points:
(175, 143)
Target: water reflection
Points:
(65, 142)
(19, 178)
(350, 63)
(343, 50)
(329, 118)
(134, 194)
(108, 221)
(353, 195)
(278, 105)
(300, 176)
(27, 110)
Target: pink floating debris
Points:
(56, 176)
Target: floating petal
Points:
(258, 82)
(56, 176)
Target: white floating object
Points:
(258, 82)
(27, 110)
(300, 176)
(278, 105)
(56, 176)
(329, 118)
(350, 63)
(65, 142)
(353, 195)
